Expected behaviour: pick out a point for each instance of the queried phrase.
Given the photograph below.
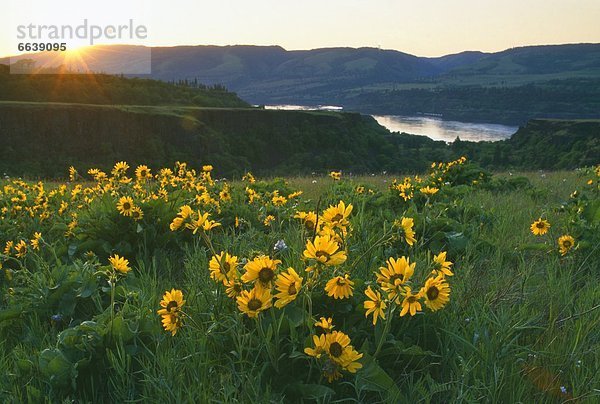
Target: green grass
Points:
(521, 324)
(514, 312)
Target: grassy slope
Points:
(508, 304)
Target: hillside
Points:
(540, 144)
(242, 66)
(113, 291)
(581, 59)
(555, 144)
(41, 139)
(107, 89)
(265, 74)
(385, 81)
(247, 68)
(576, 98)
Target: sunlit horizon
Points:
(84, 48)
(431, 29)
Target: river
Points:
(440, 129)
(433, 127)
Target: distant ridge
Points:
(238, 64)
(372, 79)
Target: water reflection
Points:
(291, 107)
(432, 127)
(439, 129)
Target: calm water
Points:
(290, 107)
(439, 129)
(433, 127)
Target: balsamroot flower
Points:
(339, 287)
(119, 264)
(288, 284)
(325, 250)
(436, 292)
(374, 305)
(540, 227)
(565, 244)
(254, 301)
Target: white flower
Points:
(280, 246)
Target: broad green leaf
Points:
(294, 314)
(89, 286)
(56, 367)
(120, 329)
(373, 378)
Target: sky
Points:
(422, 28)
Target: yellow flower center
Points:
(126, 206)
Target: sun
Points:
(75, 58)
(75, 49)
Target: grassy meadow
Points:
(142, 285)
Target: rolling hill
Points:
(107, 89)
(580, 60)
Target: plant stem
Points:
(267, 345)
(113, 281)
(386, 329)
